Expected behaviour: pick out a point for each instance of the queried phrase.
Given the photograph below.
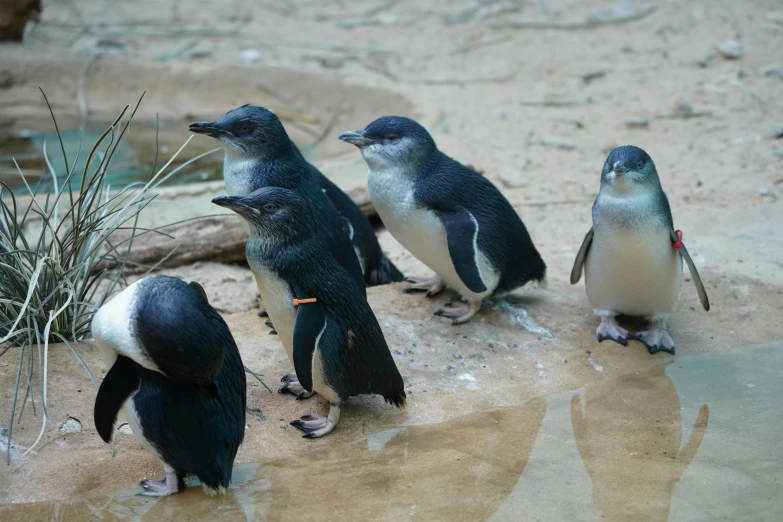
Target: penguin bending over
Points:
(328, 329)
(256, 144)
(450, 217)
(177, 376)
(632, 255)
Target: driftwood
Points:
(14, 15)
(215, 238)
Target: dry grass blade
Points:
(51, 280)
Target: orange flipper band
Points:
(297, 302)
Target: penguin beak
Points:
(208, 128)
(619, 168)
(237, 204)
(356, 137)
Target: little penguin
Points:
(259, 153)
(447, 215)
(632, 256)
(328, 329)
(176, 374)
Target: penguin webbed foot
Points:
(656, 340)
(263, 313)
(161, 488)
(314, 425)
(432, 285)
(609, 329)
(291, 385)
(459, 312)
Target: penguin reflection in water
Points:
(177, 376)
(329, 332)
(632, 256)
(448, 216)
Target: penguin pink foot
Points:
(431, 285)
(656, 338)
(292, 385)
(459, 312)
(162, 488)
(609, 329)
(314, 425)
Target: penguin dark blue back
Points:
(177, 376)
(259, 153)
(449, 216)
(335, 343)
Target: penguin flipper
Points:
(705, 302)
(122, 380)
(461, 235)
(310, 323)
(576, 272)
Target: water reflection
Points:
(461, 469)
(629, 432)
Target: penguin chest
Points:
(238, 176)
(633, 271)
(278, 300)
(421, 230)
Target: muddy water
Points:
(696, 439)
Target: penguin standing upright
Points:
(632, 256)
(328, 329)
(177, 376)
(259, 153)
(450, 217)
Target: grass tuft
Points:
(50, 280)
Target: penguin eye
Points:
(244, 127)
(640, 164)
(393, 137)
(269, 208)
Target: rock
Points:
(775, 17)
(557, 143)
(683, 107)
(250, 55)
(637, 122)
(71, 425)
(763, 192)
(774, 132)
(730, 49)
(593, 75)
(773, 71)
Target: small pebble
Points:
(593, 75)
(730, 49)
(764, 192)
(637, 122)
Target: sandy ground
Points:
(537, 108)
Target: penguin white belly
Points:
(278, 300)
(238, 176)
(421, 231)
(132, 416)
(633, 271)
(319, 380)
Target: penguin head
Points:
(275, 214)
(628, 168)
(392, 140)
(248, 132)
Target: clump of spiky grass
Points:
(50, 281)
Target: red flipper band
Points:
(678, 243)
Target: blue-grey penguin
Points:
(328, 329)
(447, 215)
(259, 152)
(177, 376)
(632, 255)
